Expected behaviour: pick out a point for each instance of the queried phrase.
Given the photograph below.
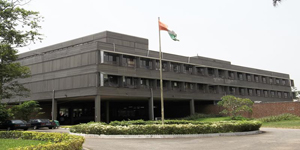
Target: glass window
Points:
(264, 79)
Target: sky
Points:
(250, 33)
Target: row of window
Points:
(131, 61)
(132, 82)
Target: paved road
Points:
(271, 139)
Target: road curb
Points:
(102, 136)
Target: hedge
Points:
(142, 122)
(216, 127)
(57, 141)
(278, 118)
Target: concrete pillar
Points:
(216, 73)
(97, 108)
(151, 108)
(194, 70)
(107, 112)
(226, 74)
(192, 107)
(138, 62)
(54, 109)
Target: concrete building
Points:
(110, 76)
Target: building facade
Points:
(110, 76)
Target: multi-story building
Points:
(111, 76)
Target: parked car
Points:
(40, 123)
(15, 124)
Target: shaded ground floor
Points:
(106, 109)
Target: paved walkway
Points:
(271, 139)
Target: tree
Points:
(235, 105)
(26, 110)
(18, 28)
(3, 112)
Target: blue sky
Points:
(249, 33)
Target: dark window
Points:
(277, 81)
(201, 87)
(130, 82)
(271, 81)
(285, 95)
(111, 80)
(264, 79)
(146, 63)
(212, 89)
(175, 85)
(201, 71)
(279, 94)
(248, 77)
(110, 58)
(230, 75)
(240, 75)
(232, 90)
(256, 78)
(188, 69)
(129, 61)
(250, 92)
(265, 93)
(272, 94)
(283, 82)
(211, 71)
(258, 92)
(175, 67)
(221, 73)
(242, 91)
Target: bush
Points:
(278, 118)
(198, 115)
(142, 122)
(61, 141)
(216, 127)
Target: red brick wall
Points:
(259, 110)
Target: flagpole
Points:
(161, 81)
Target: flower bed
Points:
(61, 141)
(145, 129)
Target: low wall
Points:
(259, 110)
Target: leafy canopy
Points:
(235, 105)
(18, 28)
(26, 110)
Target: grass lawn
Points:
(10, 143)
(293, 124)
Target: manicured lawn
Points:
(293, 124)
(10, 143)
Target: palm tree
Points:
(275, 2)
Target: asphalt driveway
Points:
(271, 139)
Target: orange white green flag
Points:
(164, 27)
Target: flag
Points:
(164, 27)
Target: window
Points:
(130, 82)
(285, 95)
(175, 85)
(201, 87)
(129, 61)
(256, 78)
(145, 63)
(111, 80)
(201, 71)
(272, 94)
(283, 82)
(258, 92)
(145, 83)
(250, 92)
(248, 77)
(212, 89)
(221, 73)
(175, 67)
(232, 90)
(110, 58)
(264, 79)
(271, 80)
(265, 93)
(277, 81)
(240, 75)
(188, 69)
(189, 86)
(279, 94)
(211, 71)
(242, 91)
(230, 75)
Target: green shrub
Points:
(142, 122)
(278, 118)
(216, 127)
(59, 141)
(198, 115)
